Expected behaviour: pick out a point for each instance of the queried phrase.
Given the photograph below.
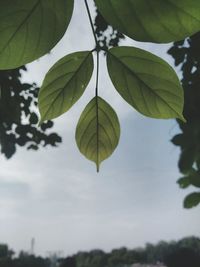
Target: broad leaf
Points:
(98, 131)
(192, 200)
(152, 20)
(146, 82)
(30, 29)
(64, 84)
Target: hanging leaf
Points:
(186, 160)
(192, 200)
(152, 21)
(30, 29)
(180, 140)
(194, 178)
(146, 82)
(98, 131)
(64, 84)
(184, 182)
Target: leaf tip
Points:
(40, 122)
(97, 167)
(181, 117)
(184, 120)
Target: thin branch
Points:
(97, 82)
(91, 24)
(97, 109)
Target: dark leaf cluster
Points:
(170, 254)
(107, 36)
(187, 57)
(18, 115)
(182, 253)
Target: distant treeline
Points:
(172, 254)
(182, 253)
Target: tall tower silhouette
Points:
(32, 246)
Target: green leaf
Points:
(146, 82)
(195, 179)
(98, 131)
(187, 159)
(156, 21)
(30, 29)
(64, 84)
(192, 200)
(179, 140)
(184, 182)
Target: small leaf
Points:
(98, 131)
(33, 118)
(187, 159)
(152, 21)
(195, 179)
(183, 140)
(146, 82)
(46, 125)
(178, 140)
(184, 182)
(64, 84)
(192, 200)
(30, 29)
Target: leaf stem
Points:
(97, 49)
(92, 26)
(97, 109)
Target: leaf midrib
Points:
(20, 25)
(183, 10)
(137, 77)
(68, 82)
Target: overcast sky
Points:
(56, 196)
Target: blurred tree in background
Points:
(106, 35)
(18, 116)
(68, 262)
(186, 250)
(187, 56)
(163, 252)
(183, 257)
(5, 252)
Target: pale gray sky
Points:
(56, 196)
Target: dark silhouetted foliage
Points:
(5, 252)
(187, 56)
(68, 262)
(167, 253)
(106, 34)
(183, 257)
(18, 116)
(23, 260)
(162, 252)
